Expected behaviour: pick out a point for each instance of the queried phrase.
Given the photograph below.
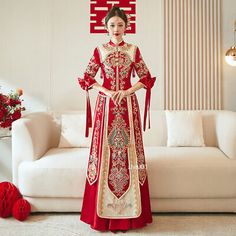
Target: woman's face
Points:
(116, 27)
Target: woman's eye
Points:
(112, 25)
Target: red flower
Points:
(10, 102)
(3, 98)
(16, 115)
(10, 108)
(7, 123)
(1, 114)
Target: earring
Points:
(108, 33)
(124, 33)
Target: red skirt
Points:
(89, 214)
(130, 119)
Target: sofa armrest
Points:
(226, 132)
(32, 136)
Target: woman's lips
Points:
(116, 34)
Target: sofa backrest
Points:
(157, 135)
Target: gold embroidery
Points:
(93, 157)
(122, 61)
(125, 47)
(108, 47)
(141, 67)
(119, 205)
(117, 64)
(129, 205)
(123, 75)
(118, 140)
(109, 72)
(92, 67)
(139, 142)
(118, 178)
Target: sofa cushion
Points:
(184, 128)
(59, 173)
(190, 172)
(186, 172)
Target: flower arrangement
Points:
(10, 108)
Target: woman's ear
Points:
(105, 27)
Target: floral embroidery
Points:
(119, 205)
(117, 58)
(92, 67)
(123, 75)
(118, 140)
(118, 137)
(109, 72)
(93, 157)
(108, 47)
(139, 142)
(118, 178)
(141, 67)
(92, 170)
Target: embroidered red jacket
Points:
(117, 63)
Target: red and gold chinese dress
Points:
(116, 193)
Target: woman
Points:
(116, 193)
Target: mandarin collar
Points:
(119, 44)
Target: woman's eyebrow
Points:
(117, 23)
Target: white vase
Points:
(5, 160)
(5, 132)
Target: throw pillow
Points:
(73, 131)
(184, 128)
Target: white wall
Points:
(45, 45)
(25, 49)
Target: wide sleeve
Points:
(148, 81)
(94, 64)
(86, 83)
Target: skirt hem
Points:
(117, 228)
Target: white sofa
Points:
(181, 179)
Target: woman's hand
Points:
(119, 95)
(110, 93)
(116, 96)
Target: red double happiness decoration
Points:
(99, 9)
